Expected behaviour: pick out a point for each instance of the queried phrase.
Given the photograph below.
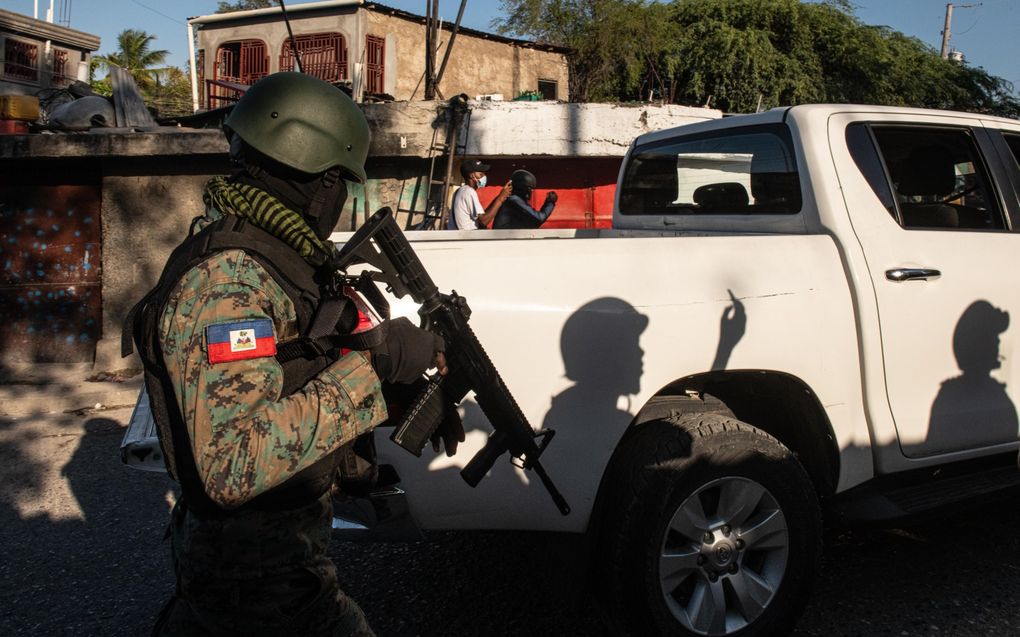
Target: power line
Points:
(157, 12)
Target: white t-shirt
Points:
(465, 210)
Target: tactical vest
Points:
(302, 359)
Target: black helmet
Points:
(303, 123)
(522, 179)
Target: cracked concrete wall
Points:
(570, 130)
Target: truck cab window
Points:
(938, 178)
(862, 149)
(1014, 145)
(747, 171)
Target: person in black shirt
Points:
(516, 212)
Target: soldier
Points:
(253, 410)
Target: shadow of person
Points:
(82, 532)
(116, 551)
(972, 409)
(603, 357)
(732, 326)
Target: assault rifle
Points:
(380, 244)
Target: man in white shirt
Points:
(467, 213)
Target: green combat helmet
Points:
(304, 123)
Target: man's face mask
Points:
(333, 199)
(482, 181)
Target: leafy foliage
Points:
(168, 88)
(745, 55)
(134, 56)
(243, 5)
(171, 94)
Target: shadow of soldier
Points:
(973, 409)
(603, 358)
(93, 564)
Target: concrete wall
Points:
(405, 129)
(569, 130)
(477, 65)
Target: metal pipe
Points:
(194, 68)
(449, 44)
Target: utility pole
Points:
(946, 30)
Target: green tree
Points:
(134, 55)
(171, 94)
(619, 47)
(745, 55)
(243, 5)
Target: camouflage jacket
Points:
(246, 438)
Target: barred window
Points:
(242, 62)
(60, 75)
(323, 55)
(376, 56)
(21, 60)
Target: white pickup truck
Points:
(801, 311)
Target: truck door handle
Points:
(912, 274)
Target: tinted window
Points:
(743, 171)
(858, 141)
(938, 178)
(1014, 145)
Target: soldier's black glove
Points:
(552, 196)
(450, 431)
(399, 398)
(406, 352)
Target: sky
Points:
(986, 32)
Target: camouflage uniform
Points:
(256, 571)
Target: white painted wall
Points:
(570, 130)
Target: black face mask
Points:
(319, 198)
(327, 203)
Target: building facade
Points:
(377, 50)
(40, 55)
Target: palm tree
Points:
(134, 56)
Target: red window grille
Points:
(375, 48)
(60, 76)
(243, 62)
(323, 55)
(21, 60)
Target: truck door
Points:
(943, 261)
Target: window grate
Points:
(323, 55)
(21, 60)
(376, 56)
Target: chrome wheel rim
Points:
(723, 556)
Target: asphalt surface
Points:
(83, 555)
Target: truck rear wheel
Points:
(708, 527)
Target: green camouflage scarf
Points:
(269, 214)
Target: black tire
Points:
(666, 473)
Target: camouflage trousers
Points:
(258, 574)
(333, 614)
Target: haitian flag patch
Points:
(240, 340)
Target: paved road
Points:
(83, 556)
